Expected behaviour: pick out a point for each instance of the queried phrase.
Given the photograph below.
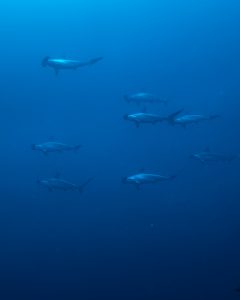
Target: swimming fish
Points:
(187, 119)
(67, 64)
(143, 98)
(146, 178)
(207, 156)
(54, 147)
(144, 117)
(56, 183)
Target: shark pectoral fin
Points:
(137, 124)
(56, 71)
(45, 152)
(94, 60)
(137, 184)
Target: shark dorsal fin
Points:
(142, 170)
(173, 116)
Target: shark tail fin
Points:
(45, 61)
(124, 179)
(212, 117)
(126, 98)
(82, 187)
(171, 118)
(77, 147)
(165, 101)
(95, 60)
(171, 177)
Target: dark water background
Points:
(176, 240)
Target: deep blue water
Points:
(175, 240)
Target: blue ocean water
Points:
(173, 240)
